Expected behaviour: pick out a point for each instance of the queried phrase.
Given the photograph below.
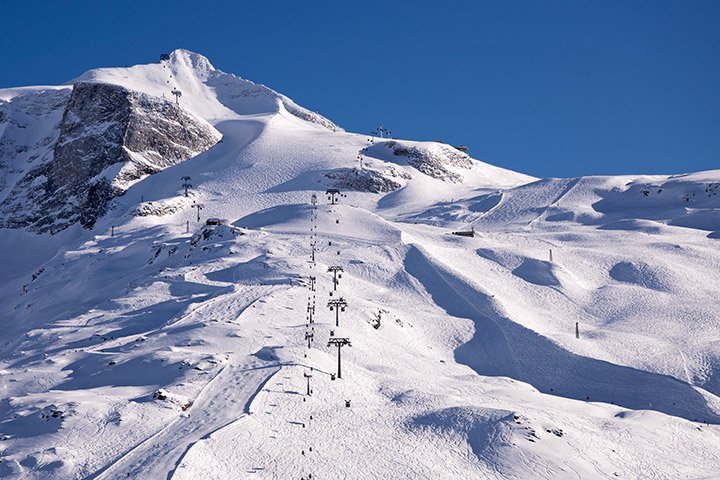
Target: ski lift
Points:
(164, 57)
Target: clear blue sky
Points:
(551, 88)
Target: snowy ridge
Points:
(208, 92)
(152, 345)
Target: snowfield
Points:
(153, 346)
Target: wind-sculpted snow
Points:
(691, 201)
(502, 347)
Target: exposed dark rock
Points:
(159, 208)
(364, 180)
(431, 160)
(109, 138)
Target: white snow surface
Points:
(137, 350)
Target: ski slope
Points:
(138, 349)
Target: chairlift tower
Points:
(338, 305)
(333, 195)
(360, 160)
(382, 132)
(308, 376)
(311, 279)
(313, 199)
(339, 343)
(177, 94)
(199, 207)
(311, 312)
(309, 337)
(186, 184)
(337, 274)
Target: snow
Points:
(139, 350)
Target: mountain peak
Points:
(192, 60)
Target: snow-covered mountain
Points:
(575, 335)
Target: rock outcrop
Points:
(366, 180)
(433, 159)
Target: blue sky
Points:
(550, 88)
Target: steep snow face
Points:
(109, 138)
(29, 127)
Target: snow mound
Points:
(482, 429)
(535, 271)
(641, 274)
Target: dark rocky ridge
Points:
(109, 138)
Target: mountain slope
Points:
(138, 349)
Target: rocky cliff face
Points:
(109, 137)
